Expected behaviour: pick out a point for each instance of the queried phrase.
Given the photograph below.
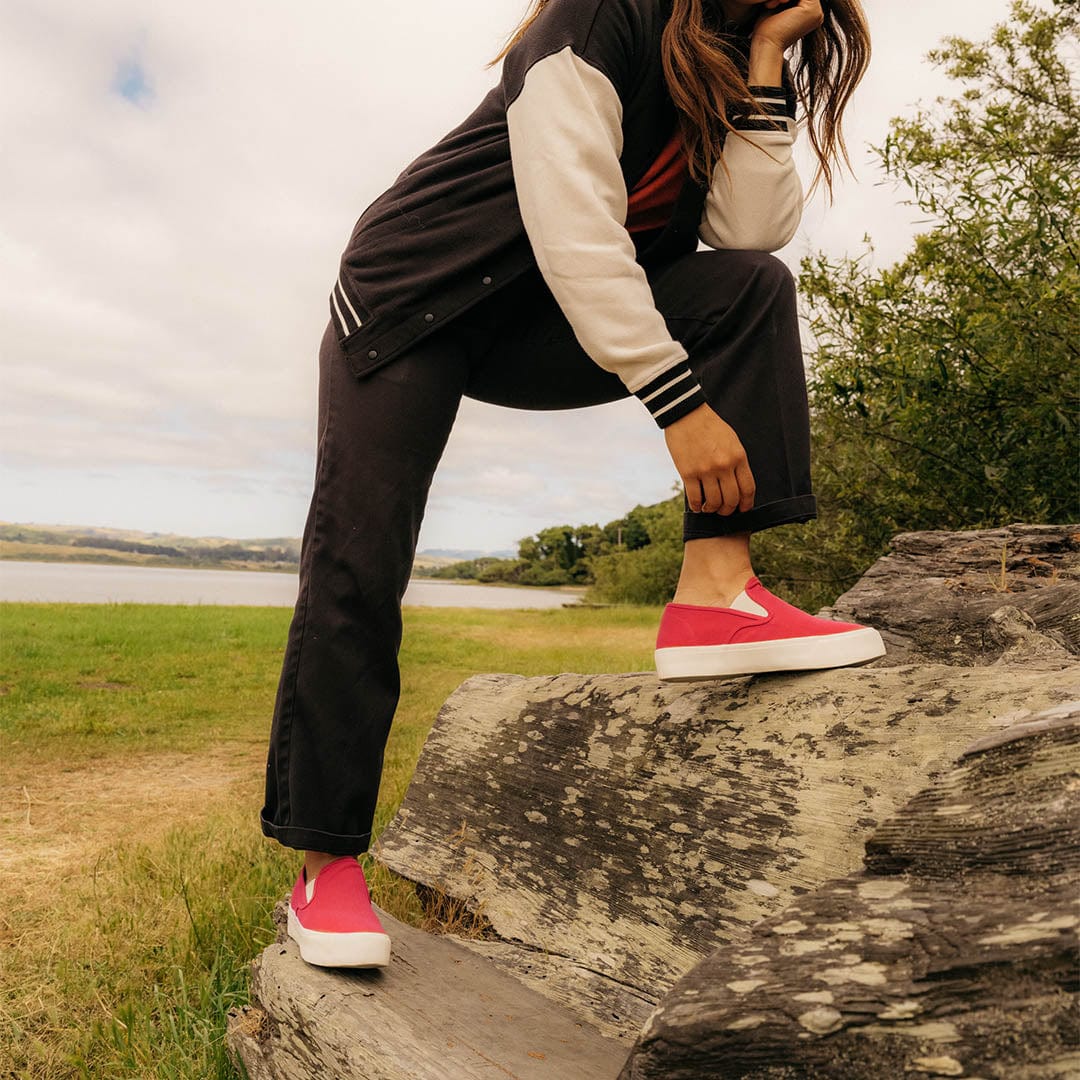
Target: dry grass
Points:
(139, 886)
(56, 819)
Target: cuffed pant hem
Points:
(801, 508)
(316, 840)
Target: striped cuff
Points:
(672, 394)
(343, 311)
(769, 112)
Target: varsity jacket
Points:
(538, 175)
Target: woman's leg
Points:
(380, 439)
(735, 313)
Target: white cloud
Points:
(165, 262)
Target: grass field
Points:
(138, 884)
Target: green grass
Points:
(126, 965)
(94, 680)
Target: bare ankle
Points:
(314, 861)
(714, 571)
(710, 595)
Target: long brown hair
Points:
(705, 81)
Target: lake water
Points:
(91, 583)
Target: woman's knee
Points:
(711, 284)
(759, 271)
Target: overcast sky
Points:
(178, 182)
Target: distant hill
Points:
(96, 544)
(85, 543)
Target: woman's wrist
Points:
(766, 63)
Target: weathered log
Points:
(438, 1012)
(933, 595)
(627, 827)
(614, 831)
(955, 954)
(745, 793)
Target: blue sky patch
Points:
(131, 83)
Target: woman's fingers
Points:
(785, 24)
(711, 461)
(747, 487)
(694, 498)
(730, 488)
(723, 492)
(714, 496)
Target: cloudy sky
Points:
(178, 182)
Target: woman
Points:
(543, 255)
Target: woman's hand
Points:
(711, 461)
(782, 23)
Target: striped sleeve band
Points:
(769, 111)
(672, 394)
(343, 311)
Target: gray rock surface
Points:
(954, 953)
(936, 595)
(629, 827)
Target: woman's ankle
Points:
(314, 861)
(714, 571)
(711, 595)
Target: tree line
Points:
(192, 552)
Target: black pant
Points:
(380, 439)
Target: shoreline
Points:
(153, 562)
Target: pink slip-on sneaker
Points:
(332, 921)
(758, 632)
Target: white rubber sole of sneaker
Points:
(753, 657)
(361, 950)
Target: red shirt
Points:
(652, 201)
